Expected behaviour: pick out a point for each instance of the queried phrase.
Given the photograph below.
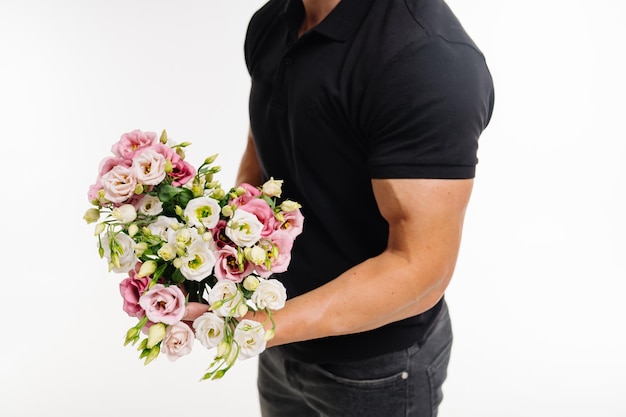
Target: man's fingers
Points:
(194, 310)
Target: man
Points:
(370, 111)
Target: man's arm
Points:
(249, 167)
(425, 219)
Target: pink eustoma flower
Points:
(227, 268)
(263, 212)
(132, 142)
(163, 304)
(131, 289)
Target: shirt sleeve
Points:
(427, 109)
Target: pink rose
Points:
(263, 212)
(178, 341)
(163, 304)
(118, 184)
(132, 142)
(131, 289)
(227, 268)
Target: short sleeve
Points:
(426, 110)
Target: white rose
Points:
(124, 258)
(270, 293)
(203, 211)
(125, 213)
(119, 184)
(272, 188)
(244, 228)
(150, 205)
(225, 298)
(249, 335)
(198, 262)
(209, 329)
(149, 167)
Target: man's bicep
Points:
(424, 215)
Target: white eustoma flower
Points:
(198, 262)
(167, 252)
(225, 298)
(270, 293)
(209, 329)
(183, 235)
(244, 228)
(124, 258)
(203, 211)
(149, 167)
(161, 226)
(125, 213)
(150, 205)
(249, 335)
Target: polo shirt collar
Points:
(341, 22)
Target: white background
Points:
(537, 300)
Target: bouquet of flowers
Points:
(171, 228)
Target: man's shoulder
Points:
(437, 19)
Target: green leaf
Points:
(178, 277)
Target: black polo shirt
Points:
(379, 89)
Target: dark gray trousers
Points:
(407, 383)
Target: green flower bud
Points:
(99, 229)
(156, 333)
(218, 194)
(168, 166)
(92, 215)
(152, 354)
(147, 268)
(131, 336)
(251, 283)
(140, 248)
(197, 190)
(210, 159)
(288, 206)
(133, 229)
(227, 211)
